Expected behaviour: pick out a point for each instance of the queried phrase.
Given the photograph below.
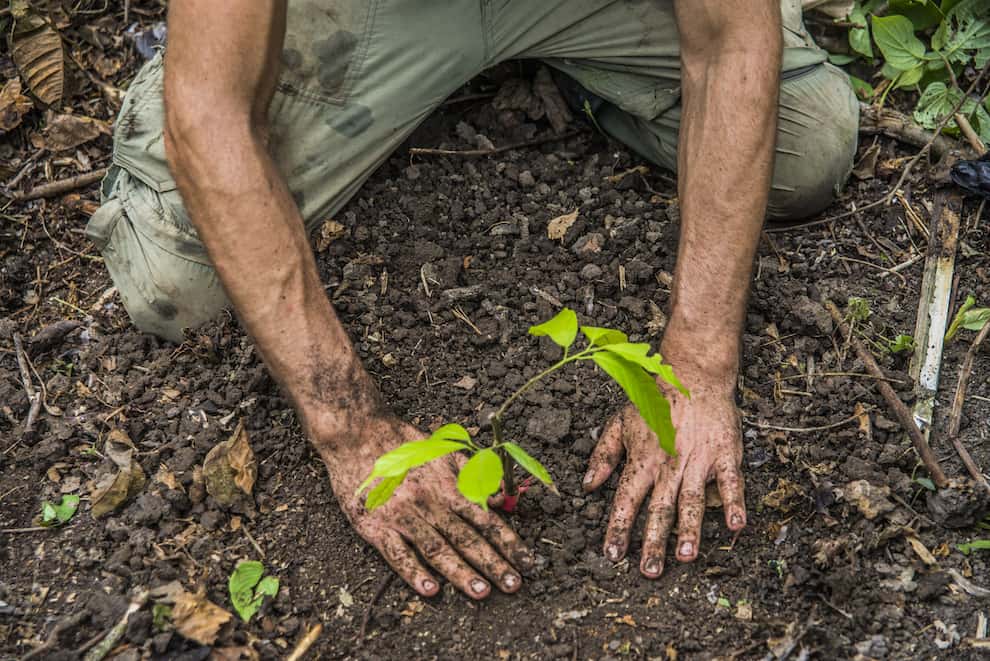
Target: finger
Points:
(606, 455)
(690, 511)
(478, 552)
(659, 521)
(402, 559)
(438, 553)
(496, 531)
(731, 489)
(633, 487)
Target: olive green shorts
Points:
(358, 76)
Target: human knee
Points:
(816, 143)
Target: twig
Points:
(33, 396)
(893, 401)
(886, 270)
(115, 634)
(52, 639)
(419, 151)
(797, 430)
(62, 186)
(306, 642)
(901, 127)
(386, 581)
(970, 134)
(955, 417)
(254, 543)
(11, 531)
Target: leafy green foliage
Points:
(901, 343)
(248, 588)
(968, 317)
(975, 545)
(858, 308)
(925, 46)
(562, 329)
(480, 477)
(52, 514)
(529, 464)
(643, 392)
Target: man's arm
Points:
(221, 69)
(730, 63)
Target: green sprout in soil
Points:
(901, 343)
(630, 364)
(56, 515)
(968, 317)
(248, 588)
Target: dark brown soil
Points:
(810, 566)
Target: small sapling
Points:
(630, 364)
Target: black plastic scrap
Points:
(973, 175)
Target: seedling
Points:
(630, 364)
(248, 588)
(901, 343)
(968, 317)
(975, 545)
(56, 515)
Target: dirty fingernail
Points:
(588, 477)
(737, 519)
(612, 552)
(478, 586)
(652, 566)
(429, 585)
(686, 548)
(510, 580)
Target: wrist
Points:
(702, 363)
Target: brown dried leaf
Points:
(782, 498)
(167, 477)
(197, 618)
(230, 469)
(330, 231)
(872, 501)
(36, 49)
(113, 489)
(557, 228)
(13, 105)
(65, 132)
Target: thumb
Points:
(606, 456)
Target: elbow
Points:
(198, 132)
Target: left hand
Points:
(709, 447)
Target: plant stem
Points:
(508, 479)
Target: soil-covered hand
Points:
(426, 514)
(709, 447)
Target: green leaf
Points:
(958, 319)
(975, 545)
(895, 39)
(858, 308)
(901, 343)
(529, 464)
(602, 336)
(58, 514)
(480, 477)
(859, 38)
(562, 329)
(410, 455)
(248, 589)
(638, 353)
(910, 77)
(923, 14)
(841, 59)
(161, 616)
(383, 491)
(451, 432)
(975, 319)
(862, 88)
(925, 483)
(644, 393)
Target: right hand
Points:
(470, 547)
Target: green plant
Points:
(975, 545)
(968, 317)
(901, 343)
(630, 364)
(54, 515)
(248, 588)
(925, 46)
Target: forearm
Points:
(725, 163)
(254, 234)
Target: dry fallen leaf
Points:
(558, 227)
(36, 49)
(230, 469)
(872, 501)
(65, 132)
(167, 477)
(13, 105)
(330, 231)
(921, 550)
(197, 618)
(783, 496)
(412, 608)
(466, 382)
(113, 489)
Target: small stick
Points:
(61, 186)
(893, 401)
(254, 543)
(305, 643)
(115, 634)
(798, 430)
(52, 639)
(955, 417)
(11, 531)
(386, 581)
(419, 151)
(970, 134)
(33, 396)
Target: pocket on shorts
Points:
(326, 43)
(101, 224)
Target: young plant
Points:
(248, 588)
(630, 364)
(925, 46)
(968, 317)
(56, 515)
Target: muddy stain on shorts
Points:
(334, 55)
(352, 121)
